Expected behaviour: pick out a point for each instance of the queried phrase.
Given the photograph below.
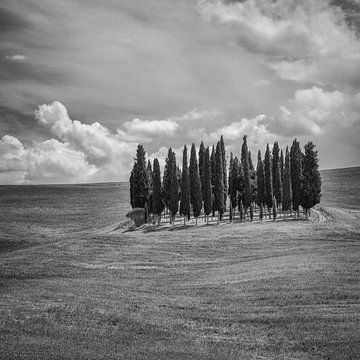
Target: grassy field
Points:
(284, 290)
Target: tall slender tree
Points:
(150, 202)
(207, 185)
(286, 204)
(251, 164)
(260, 200)
(240, 189)
(213, 170)
(167, 179)
(233, 183)
(219, 182)
(246, 169)
(202, 151)
(140, 180)
(158, 204)
(185, 188)
(195, 184)
(276, 174)
(223, 158)
(296, 173)
(282, 164)
(174, 188)
(311, 179)
(268, 180)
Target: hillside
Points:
(275, 290)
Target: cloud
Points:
(16, 57)
(314, 111)
(199, 115)
(151, 128)
(304, 41)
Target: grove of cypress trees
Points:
(223, 158)
(296, 170)
(286, 204)
(311, 180)
(219, 183)
(246, 172)
(202, 166)
(207, 185)
(276, 174)
(185, 188)
(140, 180)
(158, 205)
(195, 184)
(174, 188)
(260, 199)
(268, 180)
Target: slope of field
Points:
(284, 290)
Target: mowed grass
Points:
(284, 290)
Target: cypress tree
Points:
(240, 188)
(150, 206)
(174, 187)
(158, 205)
(260, 199)
(251, 165)
(286, 204)
(212, 163)
(295, 167)
(207, 185)
(311, 180)
(202, 166)
(195, 184)
(223, 158)
(185, 188)
(247, 182)
(268, 180)
(219, 182)
(140, 180)
(131, 181)
(233, 183)
(282, 164)
(167, 179)
(276, 174)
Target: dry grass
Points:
(284, 290)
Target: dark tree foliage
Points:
(276, 174)
(219, 182)
(246, 171)
(131, 181)
(158, 205)
(167, 179)
(185, 187)
(287, 197)
(251, 165)
(195, 184)
(202, 151)
(212, 163)
(311, 180)
(151, 195)
(233, 183)
(140, 180)
(282, 164)
(207, 184)
(268, 179)
(174, 186)
(260, 200)
(295, 175)
(241, 186)
(223, 158)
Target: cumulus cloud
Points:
(303, 40)
(313, 111)
(151, 128)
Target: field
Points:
(284, 290)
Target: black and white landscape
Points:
(179, 179)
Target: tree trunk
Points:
(159, 220)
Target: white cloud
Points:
(16, 57)
(151, 128)
(198, 115)
(304, 40)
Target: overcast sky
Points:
(82, 82)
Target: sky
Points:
(83, 82)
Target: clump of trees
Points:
(279, 184)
